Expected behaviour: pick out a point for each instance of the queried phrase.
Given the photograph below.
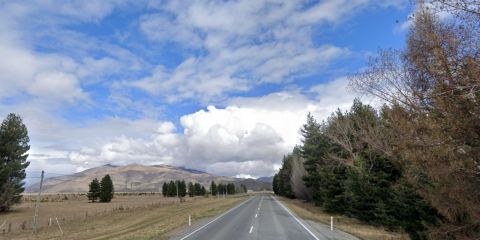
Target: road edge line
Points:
(223, 214)
(296, 219)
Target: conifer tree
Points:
(13, 160)
(213, 188)
(275, 187)
(182, 189)
(198, 189)
(106, 189)
(165, 189)
(222, 189)
(191, 189)
(230, 188)
(94, 190)
(172, 189)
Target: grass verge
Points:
(153, 222)
(353, 226)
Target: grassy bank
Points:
(355, 227)
(124, 218)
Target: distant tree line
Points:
(172, 188)
(101, 190)
(196, 189)
(415, 162)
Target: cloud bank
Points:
(100, 83)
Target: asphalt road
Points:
(260, 217)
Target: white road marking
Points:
(251, 228)
(256, 215)
(296, 219)
(215, 219)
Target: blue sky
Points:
(220, 86)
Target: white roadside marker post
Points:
(331, 223)
(189, 220)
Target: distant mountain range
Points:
(141, 178)
(265, 179)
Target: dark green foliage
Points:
(165, 189)
(191, 189)
(230, 188)
(94, 190)
(275, 186)
(182, 188)
(198, 189)
(172, 189)
(213, 188)
(348, 174)
(281, 181)
(331, 190)
(226, 189)
(106, 189)
(221, 189)
(203, 191)
(13, 160)
(314, 149)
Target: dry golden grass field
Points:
(136, 216)
(355, 227)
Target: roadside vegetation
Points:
(308, 211)
(127, 216)
(412, 164)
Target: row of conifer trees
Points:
(414, 162)
(181, 189)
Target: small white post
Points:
(189, 220)
(331, 223)
(59, 225)
(50, 222)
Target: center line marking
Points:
(251, 228)
(256, 215)
(223, 214)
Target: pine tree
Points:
(315, 146)
(182, 188)
(231, 188)
(165, 189)
(106, 189)
(172, 189)
(221, 189)
(203, 191)
(275, 187)
(191, 189)
(94, 190)
(213, 188)
(198, 189)
(13, 160)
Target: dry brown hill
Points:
(138, 178)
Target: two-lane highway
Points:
(260, 217)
